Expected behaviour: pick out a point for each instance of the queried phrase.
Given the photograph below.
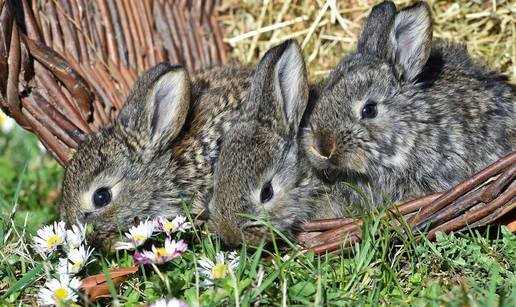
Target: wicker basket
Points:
(68, 65)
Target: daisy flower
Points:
(77, 259)
(179, 223)
(59, 291)
(6, 123)
(170, 303)
(75, 236)
(137, 235)
(218, 269)
(171, 250)
(50, 237)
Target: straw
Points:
(328, 29)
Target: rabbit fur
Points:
(438, 117)
(164, 147)
(261, 174)
(159, 152)
(425, 138)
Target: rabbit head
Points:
(258, 172)
(364, 118)
(120, 172)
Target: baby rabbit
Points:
(260, 171)
(159, 152)
(407, 116)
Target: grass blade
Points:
(25, 281)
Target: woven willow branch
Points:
(70, 64)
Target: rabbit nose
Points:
(230, 234)
(254, 232)
(326, 146)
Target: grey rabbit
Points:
(261, 173)
(405, 115)
(158, 153)
(422, 138)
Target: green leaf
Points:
(415, 278)
(302, 289)
(26, 280)
(273, 276)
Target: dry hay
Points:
(327, 29)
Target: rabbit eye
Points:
(369, 110)
(102, 197)
(267, 192)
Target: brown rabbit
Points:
(159, 152)
(261, 174)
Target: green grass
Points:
(470, 269)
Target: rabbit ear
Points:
(375, 32)
(157, 107)
(168, 104)
(411, 38)
(279, 90)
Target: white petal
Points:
(219, 257)
(204, 272)
(206, 263)
(125, 245)
(206, 283)
(45, 297)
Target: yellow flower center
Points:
(219, 271)
(162, 252)
(61, 294)
(54, 240)
(3, 118)
(138, 237)
(168, 226)
(77, 264)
